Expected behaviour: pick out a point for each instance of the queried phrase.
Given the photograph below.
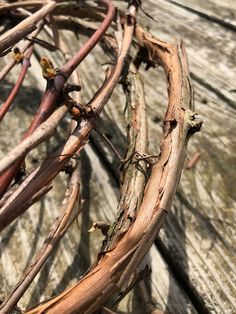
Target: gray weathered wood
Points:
(197, 243)
(220, 12)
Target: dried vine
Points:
(145, 199)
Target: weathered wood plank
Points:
(210, 47)
(220, 12)
(198, 240)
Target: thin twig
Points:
(109, 144)
(45, 130)
(19, 4)
(193, 161)
(149, 304)
(54, 90)
(58, 230)
(52, 166)
(25, 65)
(93, 299)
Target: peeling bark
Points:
(114, 268)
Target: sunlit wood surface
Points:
(193, 261)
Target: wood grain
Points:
(194, 266)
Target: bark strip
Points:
(115, 267)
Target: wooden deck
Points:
(194, 259)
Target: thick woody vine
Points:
(145, 197)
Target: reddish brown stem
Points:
(51, 166)
(54, 89)
(25, 65)
(6, 177)
(193, 161)
(71, 65)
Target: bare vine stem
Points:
(21, 4)
(54, 90)
(25, 65)
(117, 264)
(51, 166)
(68, 214)
(144, 202)
(45, 130)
